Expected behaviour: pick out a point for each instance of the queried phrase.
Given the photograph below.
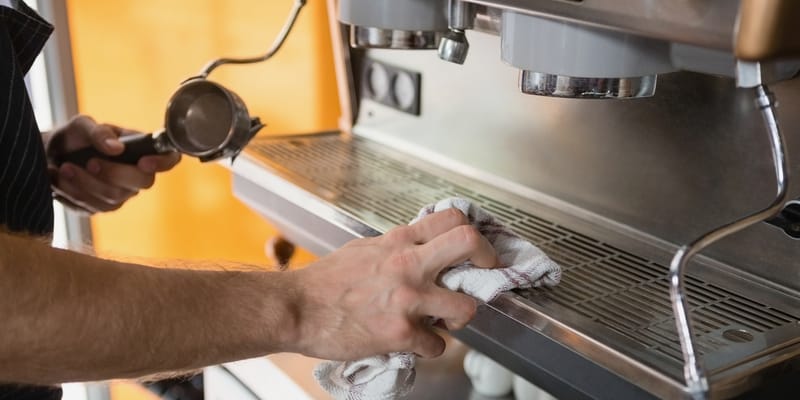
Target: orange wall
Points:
(130, 56)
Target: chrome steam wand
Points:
(693, 369)
(287, 27)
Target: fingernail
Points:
(93, 167)
(66, 172)
(113, 144)
(147, 166)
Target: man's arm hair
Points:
(66, 316)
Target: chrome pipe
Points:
(693, 368)
(276, 45)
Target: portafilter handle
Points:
(136, 147)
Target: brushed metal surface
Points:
(692, 157)
(636, 177)
(378, 38)
(612, 305)
(704, 23)
(542, 84)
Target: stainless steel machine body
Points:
(609, 189)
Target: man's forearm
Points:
(70, 317)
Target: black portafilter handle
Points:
(136, 147)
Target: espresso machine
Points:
(645, 146)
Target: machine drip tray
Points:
(607, 331)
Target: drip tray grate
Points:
(621, 291)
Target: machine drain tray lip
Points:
(334, 170)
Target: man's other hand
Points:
(102, 185)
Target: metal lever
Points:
(693, 369)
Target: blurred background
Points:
(130, 56)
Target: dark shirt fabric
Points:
(9, 392)
(26, 203)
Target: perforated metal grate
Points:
(625, 293)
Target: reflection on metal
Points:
(612, 307)
(694, 371)
(454, 47)
(587, 88)
(378, 38)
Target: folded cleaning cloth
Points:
(522, 265)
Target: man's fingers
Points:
(62, 196)
(427, 343)
(456, 309)
(456, 246)
(437, 223)
(83, 187)
(126, 176)
(67, 194)
(105, 138)
(159, 163)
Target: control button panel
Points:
(392, 86)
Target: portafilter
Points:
(203, 118)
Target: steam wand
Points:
(287, 27)
(693, 369)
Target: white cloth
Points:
(387, 377)
(521, 265)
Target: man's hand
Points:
(375, 295)
(103, 185)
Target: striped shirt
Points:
(26, 203)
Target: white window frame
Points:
(51, 84)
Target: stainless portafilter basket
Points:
(203, 118)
